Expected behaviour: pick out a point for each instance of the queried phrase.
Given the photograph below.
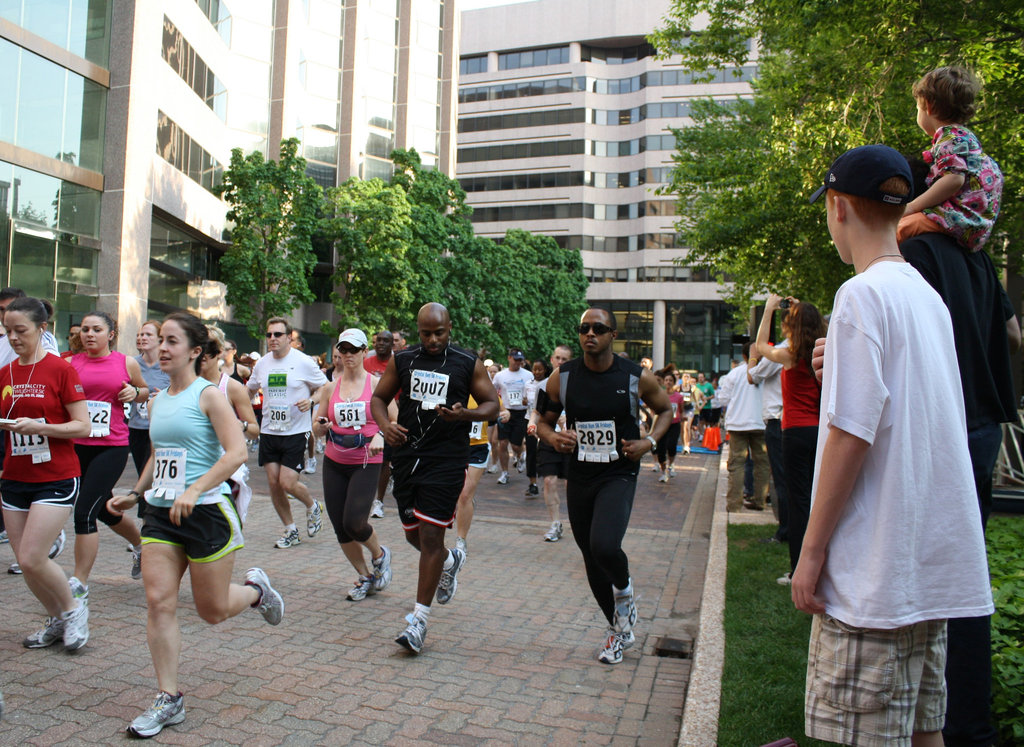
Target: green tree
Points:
(273, 205)
(370, 225)
(831, 76)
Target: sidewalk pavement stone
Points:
(512, 660)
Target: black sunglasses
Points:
(275, 334)
(599, 329)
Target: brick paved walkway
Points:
(510, 661)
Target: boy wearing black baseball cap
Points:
(879, 568)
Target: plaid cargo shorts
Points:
(874, 687)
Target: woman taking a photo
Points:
(190, 522)
(352, 464)
(43, 408)
(110, 380)
(801, 398)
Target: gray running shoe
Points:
(412, 637)
(165, 711)
(382, 570)
(58, 545)
(288, 539)
(76, 626)
(377, 509)
(315, 519)
(271, 605)
(449, 583)
(4, 539)
(362, 588)
(137, 562)
(624, 617)
(521, 463)
(14, 569)
(78, 589)
(554, 533)
(52, 631)
(614, 645)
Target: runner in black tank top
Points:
(430, 445)
(601, 393)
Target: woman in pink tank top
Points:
(110, 380)
(353, 463)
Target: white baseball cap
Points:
(354, 337)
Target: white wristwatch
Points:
(654, 442)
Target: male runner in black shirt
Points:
(601, 393)
(430, 454)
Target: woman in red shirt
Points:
(43, 407)
(801, 398)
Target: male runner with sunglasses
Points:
(288, 379)
(601, 394)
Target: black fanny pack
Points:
(347, 441)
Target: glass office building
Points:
(117, 120)
(564, 117)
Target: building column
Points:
(658, 336)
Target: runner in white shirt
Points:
(288, 379)
(511, 385)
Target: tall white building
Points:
(117, 118)
(563, 130)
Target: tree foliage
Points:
(273, 205)
(831, 76)
(370, 225)
(524, 291)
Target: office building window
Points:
(191, 68)
(533, 58)
(472, 65)
(176, 147)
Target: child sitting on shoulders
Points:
(965, 185)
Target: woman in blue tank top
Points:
(190, 522)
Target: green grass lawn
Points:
(766, 646)
(766, 639)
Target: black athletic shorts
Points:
(19, 496)
(288, 451)
(211, 532)
(515, 429)
(479, 455)
(550, 462)
(427, 490)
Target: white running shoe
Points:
(271, 605)
(503, 480)
(521, 463)
(449, 583)
(614, 645)
(412, 637)
(624, 617)
(664, 477)
(310, 468)
(377, 509)
(382, 570)
(76, 627)
(58, 545)
(137, 562)
(363, 587)
(554, 533)
(315, 519)
(166, 710)
(493, 469)
(288, 539)
(51, 632)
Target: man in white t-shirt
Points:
(288, 379)
(511, 385)
(742, 399)
(893, 546)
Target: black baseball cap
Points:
(861, 170)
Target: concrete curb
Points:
(703, 695)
